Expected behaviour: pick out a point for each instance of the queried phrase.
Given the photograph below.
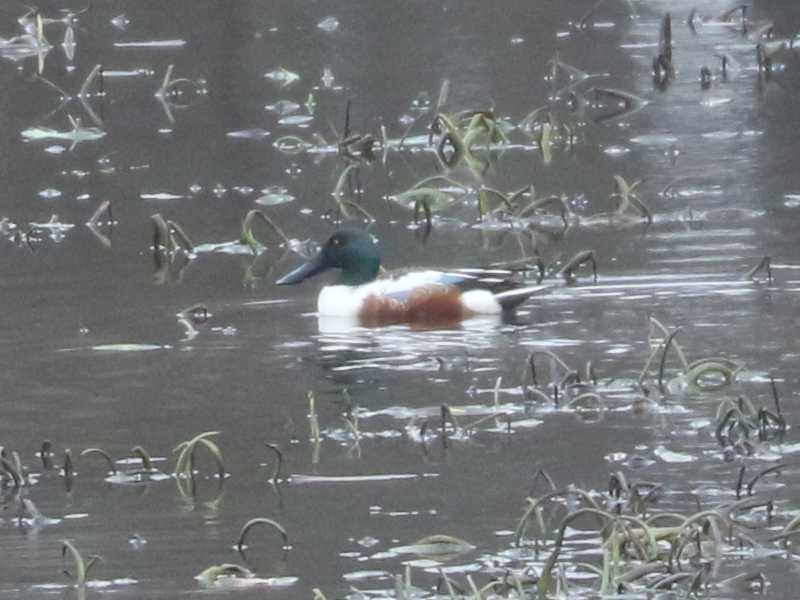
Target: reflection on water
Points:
(203, 111)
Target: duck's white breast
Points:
(339, 301)
(347, 300)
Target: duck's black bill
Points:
(304, 271)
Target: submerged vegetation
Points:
(631, 544)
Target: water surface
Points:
(95, 355)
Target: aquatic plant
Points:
(553, 129)
(189, 317)
(519, 204)
(46, 455)
(421, 205)
(184, 466)
(144, 456)
(112, 468)
(639, 551)
(461, 132)
(737, 420)
(763, 265)
(433, 199)
(355, 147)
(84, 94)
(276, 472)
(11, 470)
(705, 374)
(67, 469)
(82, 567)
(249, 239)
(558, 123)
(169, 236)
(625, 194)
(172, 94)
(608, 104)
(790, 531)
(663, 68)
(313, 425)
(569, 389)
(537, 204)
(147, 473)
(214, 573)
(581, 258)
(240, 543)
(344, 205)
(172, 249)
(94, 222)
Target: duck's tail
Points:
(513, 298)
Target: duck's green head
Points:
(354, 252)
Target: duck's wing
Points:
(494, 280)
(399, 284)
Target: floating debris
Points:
(50, 193)
(616, 150)
(161, 196)
(422, 101)
(143, 72)
(124, 348)
(152, 44)
(283, 107)
(290, 144)
(231, 575)
(327, 78)
(249, 134)
(76, 135)
(24, 46)
(301, 479)
(714, 102)
(328, 24)
(439, 547)
(791, 200)
(654, 139)
(282, 76)
(69, 44)
(669, 456)
(299, 120)
(121, 22)
(274, 195)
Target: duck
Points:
(365, 291)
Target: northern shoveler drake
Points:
(377, 297)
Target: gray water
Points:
(95, 356)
